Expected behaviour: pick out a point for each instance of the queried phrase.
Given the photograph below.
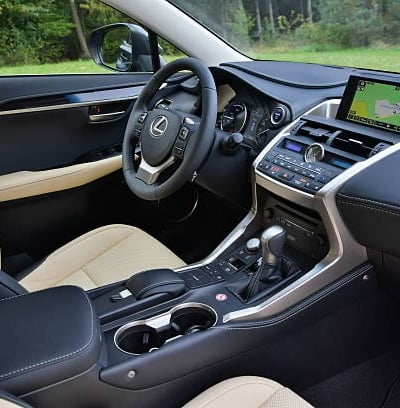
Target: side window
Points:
(50, 37)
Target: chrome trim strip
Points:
(66, 106)
(232, 237)
(345, 253)
(149, 174)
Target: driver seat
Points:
(105, 255)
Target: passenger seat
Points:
(249, 392)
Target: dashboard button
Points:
(322, 178)
(314, 186)
(286, 175)
(273, 170)
(299, 181)
(312, 176)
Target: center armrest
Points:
(47, 336)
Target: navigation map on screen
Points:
(376, 104)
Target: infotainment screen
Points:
(371, 102)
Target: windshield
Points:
(358, 33)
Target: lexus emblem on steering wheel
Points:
(158, 126)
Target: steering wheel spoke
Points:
(150, 174)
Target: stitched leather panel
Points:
(370, 205)
(48, 336)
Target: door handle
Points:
(100, 117)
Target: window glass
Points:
(50, 36)
(335, 32)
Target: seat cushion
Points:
(250, 392)
(102, 256)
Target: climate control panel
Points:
(305, 167)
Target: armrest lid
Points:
(47, 336)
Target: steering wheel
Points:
(169, 139)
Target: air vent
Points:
(358, 144)
(355, 143)
(320, 134)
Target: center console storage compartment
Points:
(47, 337)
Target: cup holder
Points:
(138, 339)
(148, 335)
(192, 319)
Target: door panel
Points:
(58, 156)
(15, 88)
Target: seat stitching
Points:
(233, 387)
(91, 260)
(13, 297)
(86, 274)
(88, 236)
(19, 370)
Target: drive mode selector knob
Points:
(253, 245)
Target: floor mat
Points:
(372, 384)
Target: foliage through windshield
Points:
(361, 33)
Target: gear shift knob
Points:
(272, 241)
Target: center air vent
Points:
(355, 143)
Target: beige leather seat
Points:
(102, 256)
(240, 392)
(249, 392)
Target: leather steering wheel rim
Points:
(197, 146)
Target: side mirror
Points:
(122, 47)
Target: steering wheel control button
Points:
(142, 117)
(184, 133)
(178, 152)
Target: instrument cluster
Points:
(254, 118)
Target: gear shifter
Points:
(272, 241)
